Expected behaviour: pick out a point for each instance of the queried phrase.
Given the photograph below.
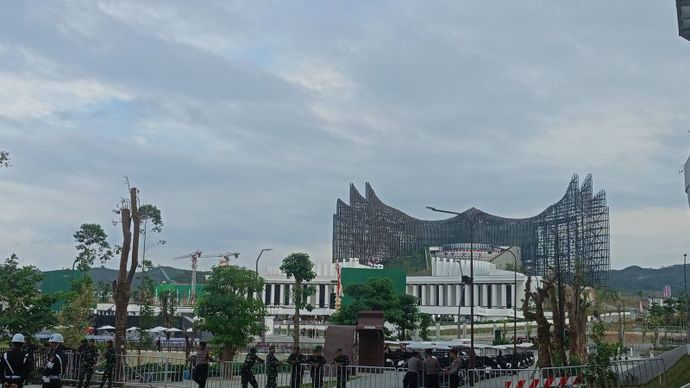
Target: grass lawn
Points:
(677, 376)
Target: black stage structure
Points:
(574, 229)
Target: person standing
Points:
(109, 364)
(14, 366)
(341, 362)
(295, 359)
(247, 375)
(431, 369)
(88, 355)
(414, 366)
(272, 364)
(454, 369)
(56, 364)
(316, 362)
(203, 357)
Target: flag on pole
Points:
(667, 291)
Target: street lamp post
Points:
(258, 257)
(472, 222)
(515, 260)
(263, 332)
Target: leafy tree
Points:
(167, 301)
(299, 267)
(25, 309)
(227, 312)
(598, 371)
(424, 323)
(151, 222)
(103, 291)
(147, 316)
(4, 158)
(76, 315)
(91, 243)
(378, 294)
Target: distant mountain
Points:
(650, 281)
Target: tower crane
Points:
(223, 258)
(195, 263)
(198, 254)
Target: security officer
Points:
(316, 362)
(109, 364)
(88, 357)
(341, 362)
(272, 364)
(296, 360)
(247, 376)
(56, 364)
(15, 366)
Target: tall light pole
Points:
(515, 260)
(263, 331)
(258, 257)
(472, 222)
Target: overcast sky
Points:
(245, 121)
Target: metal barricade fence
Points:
(564, 376)
(503, 378)
(634, 373)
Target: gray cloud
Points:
(244, 122)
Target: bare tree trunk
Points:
(295, 317)
(559, 358)
(543, 325)
(130, 244)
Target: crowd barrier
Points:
(159, 371)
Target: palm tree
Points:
(301, 269)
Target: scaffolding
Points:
(573, 231)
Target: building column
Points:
(494, 296)
(423, 297)
(476, 294)
(450, 295)
(432, 294)
(281, 302)
(467, 295)
(504, 295)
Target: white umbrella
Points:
(190, 330)
(106, 327)
(157, 329)
(173, 330)
(133, 328)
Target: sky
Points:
(245, 121)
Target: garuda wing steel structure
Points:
(573, 230)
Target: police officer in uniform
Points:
(88, 355)
(341, 362)
(247, 376)
(272, 364)
(109, 365)
(295, 359)
(56, 364)
(15, 366)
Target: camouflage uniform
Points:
(341, 362)
(296, 360)
(109, 367)
(88, 357)
(316, 370)
(247, 376)
(271, 370)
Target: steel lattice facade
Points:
(576, 228)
